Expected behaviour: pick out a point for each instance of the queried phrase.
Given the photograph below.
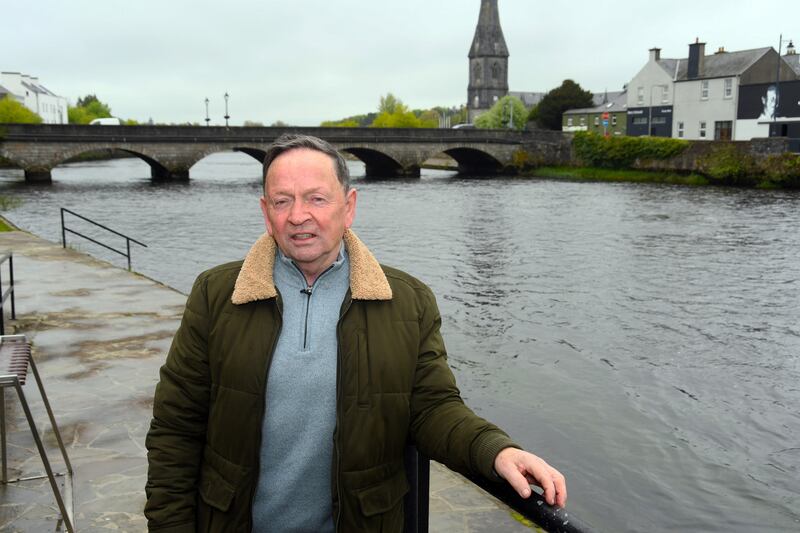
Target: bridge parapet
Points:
(172, 150)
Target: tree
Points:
(389, 104)
(394, 114)
(13, 112)
(501, 114)
(87, 109)
(569, 95)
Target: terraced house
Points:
(607, 117)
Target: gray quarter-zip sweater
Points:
(294, 485)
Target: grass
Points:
(623, 175)
(4, 226)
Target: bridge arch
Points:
(474, 161)
(379, 164)
(156, 168)
(256, 153)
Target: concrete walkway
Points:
(99, 336)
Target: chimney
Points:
(655, 54)
(697, 59)
(720, 51)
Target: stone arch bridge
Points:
(172, 150)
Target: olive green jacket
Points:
(393, 386)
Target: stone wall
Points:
(689, 159)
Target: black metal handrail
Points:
(128, 240)
(4, 295)
(550, 518)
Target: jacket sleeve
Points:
(180, 412)
(442, 426)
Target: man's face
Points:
(306, 210)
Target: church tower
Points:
(488, 62)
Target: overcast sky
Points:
(307, 61)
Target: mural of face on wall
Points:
(770, 102)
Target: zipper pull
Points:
(306, 291)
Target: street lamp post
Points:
(208, 120)
(781, 40)
(226, 110)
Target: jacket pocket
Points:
(219, 479)
(384, 496)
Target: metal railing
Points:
(5, 295)
(128, 240)
(550, 518)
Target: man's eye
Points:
(318, 199)
(280, 203)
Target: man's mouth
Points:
(302, 236)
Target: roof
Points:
(3, 90)
(723, 64)
(617, 102)
(794, 61)
(35, 87)
(528, 98)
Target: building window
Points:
(583, 121)
(728, 87)
(494, 98)
(640, 95)
(495, 71)
(476, 102)
(704, 90)
(596, 120)
(613, 120)
(659, 120)
(664, 94)
(477, 72)
(680, 130)
(569, 121)
(640, 121)
(702, 130)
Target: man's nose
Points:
(298, 213)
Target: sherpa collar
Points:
(367, 280)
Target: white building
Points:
(28, 91)
(650, 97)
(707, 92)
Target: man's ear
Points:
(265, 211)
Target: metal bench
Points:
(15, 359)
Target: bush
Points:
(622, 152)
(783, 170)
(727, 165)
(14, 112)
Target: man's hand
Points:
(521, 468)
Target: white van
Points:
(108, 121)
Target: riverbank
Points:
(99, 335)
(622, 175)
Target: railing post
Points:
(11, 276)
(128, 244)
(63, 232)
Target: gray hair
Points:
(292, 141)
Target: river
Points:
(644, 339)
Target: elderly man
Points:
(298, 376)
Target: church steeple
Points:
(488, 62)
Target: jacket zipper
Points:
(257, 471)
(337, 455)
(307, 291)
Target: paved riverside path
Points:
(99, 336)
